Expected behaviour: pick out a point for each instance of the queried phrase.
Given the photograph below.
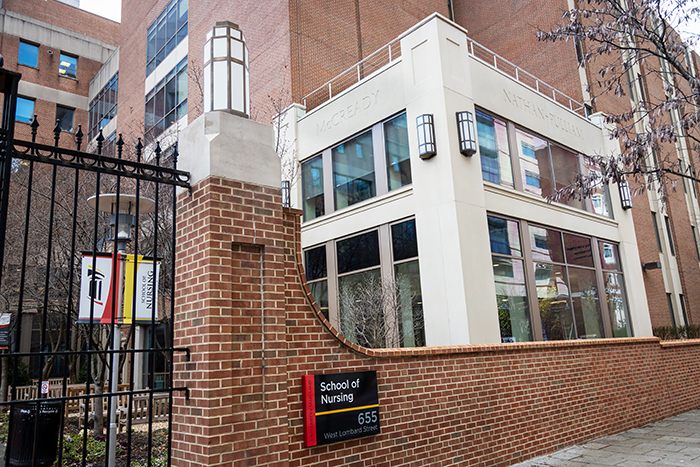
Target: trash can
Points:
(22, 436)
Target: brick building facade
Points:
(253, 328)
(671, 292)
(297, 46)
(48, 29)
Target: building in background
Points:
(58, 49)
(304, 52)
(390, 188)
(667, 232)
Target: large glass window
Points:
(509, 277)
(103, 108)
(353, 171)
(68, 66)
(544, 167)
(349, 174)
(312, 188)
(614, 289)
(28, 54)
(165, 33)
(493, 148)
(563, 284)
(567, 292)
(409, 300)
(361, 290)
(376, 296)
(398, 161)
(25, 110)
(64, 115)
(316, 273)
(536, 172)
(167, 101)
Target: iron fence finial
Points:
(120, 146)
(139, 149)
(79, 137)
(158, 151)
(100, 140)
(35, 126)
(57, 131)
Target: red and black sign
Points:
(339, 407)
(5, 320)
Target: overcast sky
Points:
(111, 9)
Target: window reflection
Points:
(599, 201)
(546, 244)
(316, 272)
(410, 304)
(358, 252)
(398, 162)
(493, 148)
(403, 237)
(319, 290)
(312, 188)
(565, 166)
(578, 250)
(553, 300)
(534, 164)
(504, 236)
(353, 171)
(361, 308)
(511, 297)
(617, 304)
(584, 295)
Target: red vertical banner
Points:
(309, 396)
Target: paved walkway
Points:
(671, 442)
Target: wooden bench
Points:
(139, 410)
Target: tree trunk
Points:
(99, 384)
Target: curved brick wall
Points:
(482, 405)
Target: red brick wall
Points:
(508, 28)
(46, 72)
(482, 405)
(67, 17)
(327, 38)
(265, 26)
(227, 232)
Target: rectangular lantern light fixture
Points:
(467, 135)
(625, 194)
(226, 72)
(426, 136)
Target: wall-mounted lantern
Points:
(226, 75)
(426, 136)
(625, 194)
(467, 135)
(652, 265)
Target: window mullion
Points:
(515, 157)
(328, 188)
(530, 284)
(380, 169)
(602, 294)
(332, 276)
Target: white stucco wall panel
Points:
(352, 111)
(506, 97)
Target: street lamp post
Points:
(123, 210)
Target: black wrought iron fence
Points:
(87, 259)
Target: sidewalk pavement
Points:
(671, 442)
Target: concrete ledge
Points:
(224, 145)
